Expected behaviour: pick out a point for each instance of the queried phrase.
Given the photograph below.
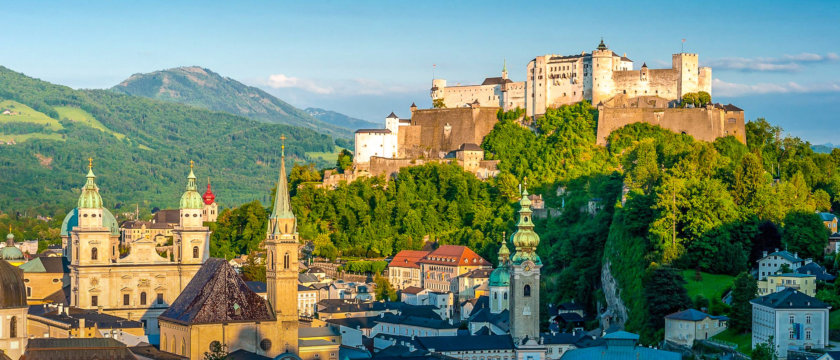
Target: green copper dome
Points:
(10, 252)
(72, 220)
(90, 198)
(500, 276)
(191, 198)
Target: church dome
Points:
(90, 198)
(191, 199)
(500, 276)
(208, 196)
(11, 253)
(72, 220)
(12, 290)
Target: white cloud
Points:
(278, 81)
(723, 88)
(786, 63)
(357, 86)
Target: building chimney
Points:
(82, 327)
(764, 253)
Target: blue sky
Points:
(776, 59)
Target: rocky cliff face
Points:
(616, 313)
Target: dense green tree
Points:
(344, 161)
(254, 268)
(764, 351)
(665, 293)
(805, 233)
(384, 290)
(218, 351)
(744, 289)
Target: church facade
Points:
(141, 284)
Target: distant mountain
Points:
(824, 148)
(341, 120)
(203, 88)
(141, 148)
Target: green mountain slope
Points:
(203, 88)
(339, 119)
(141, 148)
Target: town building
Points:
(13, 308)
(404, 269)
(493, 92)
(620, 345)
(772, 263)
(391, 324)
(307, 301)
(554, 80)
(830, 221)
(793, 320)
(77, 348)
(443, 265)
(805, 283)
(471, 285)
(59, 321)
(140, 285)
(442, 301)
(46, 279)
(474, 347)
(687, 326)
(812, 268)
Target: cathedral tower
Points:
(191, 237)
(91, 241)
(525, 277)
(281, 273)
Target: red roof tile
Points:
(408, 259)
(454, 255)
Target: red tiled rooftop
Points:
(454, 255)
(408, 259)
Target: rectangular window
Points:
(126, 299)
(94, 300)
(790, 319)
(160, 298)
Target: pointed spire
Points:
(504, 252)
(282, 201)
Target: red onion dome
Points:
(208, 195)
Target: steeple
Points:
(208, 196)
(525, 240)
(504, 69)
(281, 215)
(191, 199)
(90, 198)
(504, 252)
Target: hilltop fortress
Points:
(465, 114)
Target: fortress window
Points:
(94, 253)
(527, 290)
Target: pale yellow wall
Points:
(41, 285)
(686, 332)
(401, 278)
(13, 346)
(771, 284)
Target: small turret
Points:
(602, 46)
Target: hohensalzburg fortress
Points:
(554, 80)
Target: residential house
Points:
(620, 345)
(772, 263)
(404, 271)
(474, 347)
(472, 284)
(778, 282)
(687, 326)
(440, 300)
(833, 245)
(812, 268)
(307, 301)
(353, 329)
(792, 319)
(558, 343)
(391, 324)
(829, 220)
(314, 341)
(444, 264)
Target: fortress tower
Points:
(602, 72)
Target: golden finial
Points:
(283, 145)
(192, 163)
(504, 235)
(90, 163)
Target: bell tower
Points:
(525, 268)
(191, 237)
(90, 241)
(281, 245)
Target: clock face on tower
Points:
(527, 266)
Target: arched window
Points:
(163, 344)
(143, 298)
(286, 261)
(527, 290)
(270, 257)
(13, 327)
(504, 296)
(174, 349)
(183, 347)
(495, 296)
(195, 252)
(94, 253)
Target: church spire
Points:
(282, 201)
(191, 199)
(525, 240)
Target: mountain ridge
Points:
(201, 87)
